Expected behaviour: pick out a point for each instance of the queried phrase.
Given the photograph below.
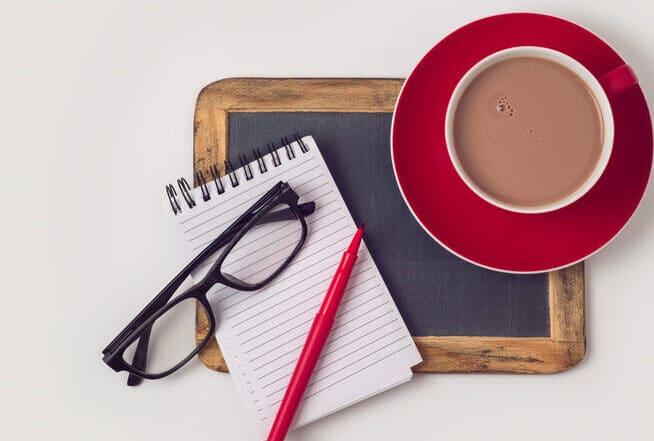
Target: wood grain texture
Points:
(567, 321)
(210, 138)
(210, 355)
(497, 354)
(301, 94)
(562, 350)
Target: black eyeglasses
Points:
(146, 340)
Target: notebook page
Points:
(261, 334)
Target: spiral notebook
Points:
(261, 334)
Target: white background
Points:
(96, 107)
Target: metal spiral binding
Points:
(231, 172)
(185, 189)
(289, 150)
(245, 165)
(274, 154)
(203, 185)
(298, 139)
(172, 198)
(259, 157)
(228, 168)
(215, 174)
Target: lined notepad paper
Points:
(262, 333)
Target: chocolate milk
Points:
(528, 131)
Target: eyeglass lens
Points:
(263, 249)
(171, 338)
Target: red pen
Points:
(320, 328)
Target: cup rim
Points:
(568, 62)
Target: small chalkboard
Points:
(464, 318)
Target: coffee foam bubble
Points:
(504, 107)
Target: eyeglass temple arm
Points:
(141, 354)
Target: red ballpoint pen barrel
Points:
(316, 338)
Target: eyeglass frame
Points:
(141, 325)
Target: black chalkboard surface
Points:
(436, 292)
(462, 318)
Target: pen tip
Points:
(356, 240)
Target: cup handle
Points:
(618, 80)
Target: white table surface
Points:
(96, 115)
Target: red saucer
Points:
(476, 230)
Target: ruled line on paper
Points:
(312, 309)
(327, 386)
(325, 353)
(354, 373)
(287, 375)
(318, 293)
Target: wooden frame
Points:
(563, 349)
